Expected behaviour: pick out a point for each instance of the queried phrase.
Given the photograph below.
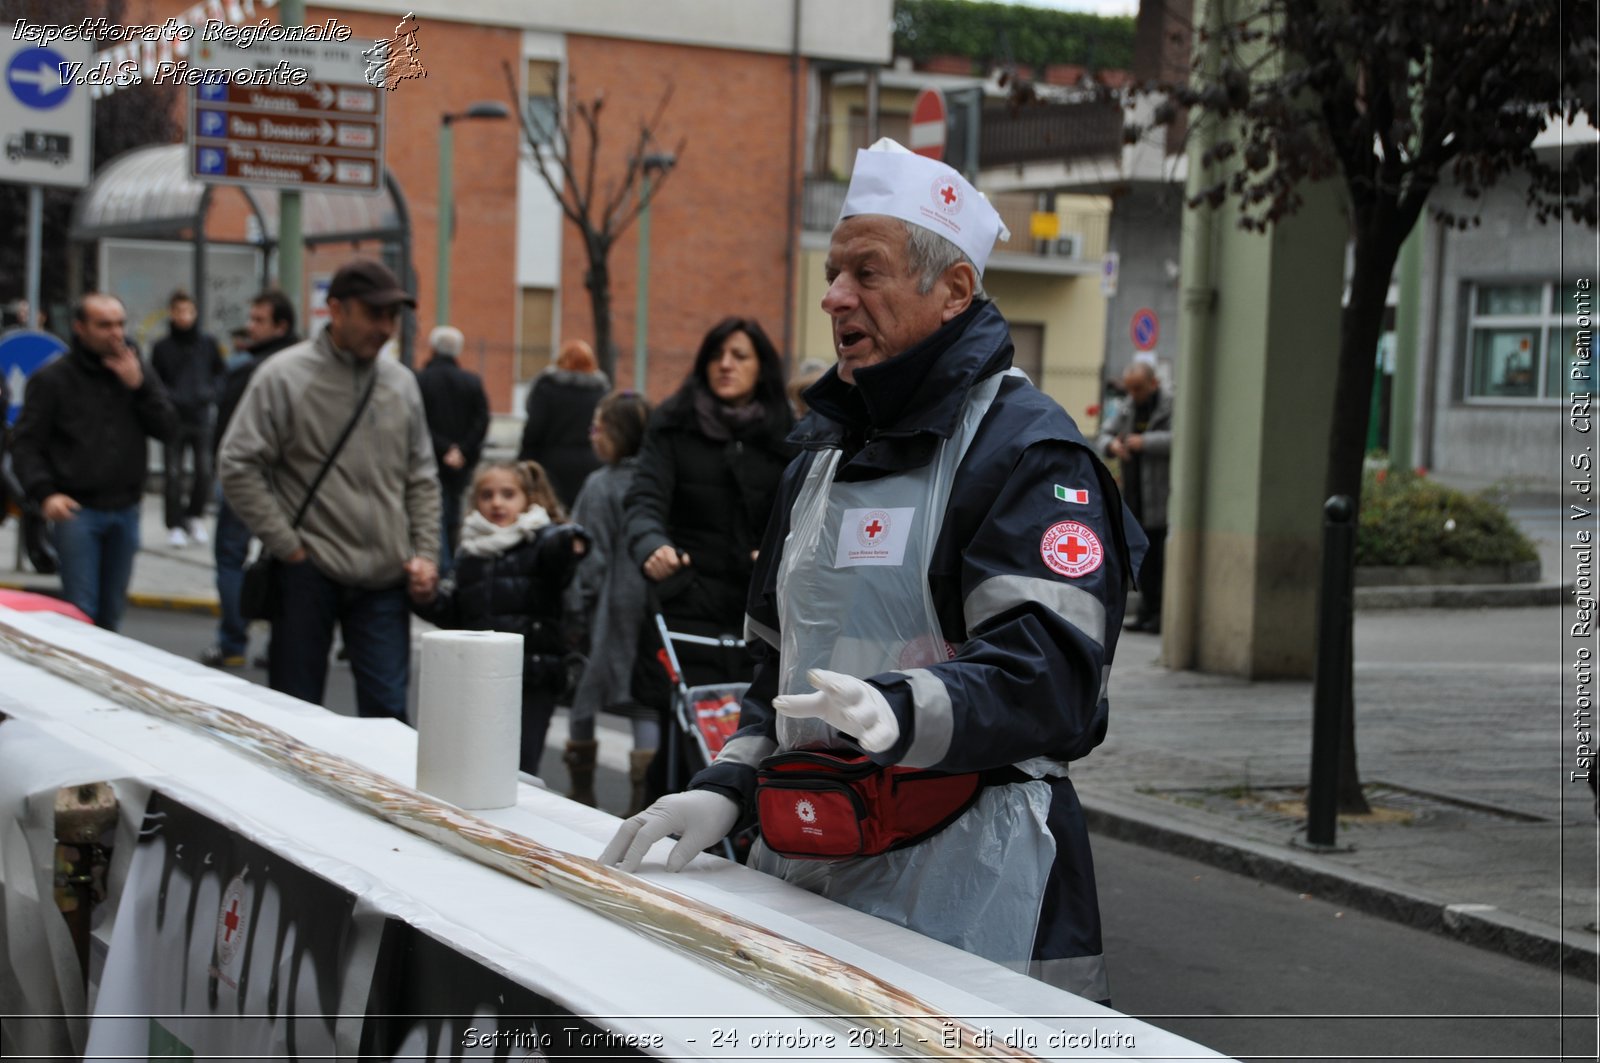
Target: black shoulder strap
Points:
(322, 473)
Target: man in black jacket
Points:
(79, 451)
(458, 419)
(189, 363)
(270, 329)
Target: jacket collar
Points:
(274, 345)
(920, 390)
(86, 358)
(325, 345)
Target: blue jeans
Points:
(97, 548)
(230, 547)
(377, 635)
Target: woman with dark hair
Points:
(560, 406)
(704, 487)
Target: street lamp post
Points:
(447, 203)
(650, 164)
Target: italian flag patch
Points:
(1072, 494)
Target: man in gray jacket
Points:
(371, 533)
(1140, 437)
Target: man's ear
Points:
(960, 282)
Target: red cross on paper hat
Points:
(892, 181)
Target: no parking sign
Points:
(1146, 329)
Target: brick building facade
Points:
(724, 226)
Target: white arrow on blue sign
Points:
(34, 77)
(22, 352)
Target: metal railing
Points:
(1049, 132)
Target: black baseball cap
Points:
(371, 282)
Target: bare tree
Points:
(567, 154)
(1389, 97)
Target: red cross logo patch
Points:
(1071, 549)
(873, 529)
(946, 196)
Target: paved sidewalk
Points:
(1463, 735)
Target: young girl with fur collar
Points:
(517, 556)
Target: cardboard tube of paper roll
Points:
(469, 717)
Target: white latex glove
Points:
(700, 818)
(846, 704)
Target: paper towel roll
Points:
(469, 717)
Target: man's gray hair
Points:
(446, 340)
(930, 254)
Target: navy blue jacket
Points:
(1034, 646)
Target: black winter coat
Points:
(457, 410)
(518, 591)
(711, 499)
(560, 407)
(82, 432)
(238, 378)
(189, 363)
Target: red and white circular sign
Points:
(1071, 549)
(928, 124)
(805, 810)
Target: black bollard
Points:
(1329, 693)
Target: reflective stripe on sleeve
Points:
(748, 750)
(755, 629)
(934, 720)
(1075, 605)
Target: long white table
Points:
(639, 993)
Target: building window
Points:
(1522, 342)
(544, 109)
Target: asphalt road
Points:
(1249, 969)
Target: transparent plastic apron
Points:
(853, 597)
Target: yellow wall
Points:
(1073, 314)
(894, 111)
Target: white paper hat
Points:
(889, 179)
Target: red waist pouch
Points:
(822, 806)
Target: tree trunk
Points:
(598, 281)
(1377, 247)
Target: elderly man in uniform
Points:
(938, 599)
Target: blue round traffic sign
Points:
(1146, 329)
(34, 78)
(22, 352)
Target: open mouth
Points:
(849, 340)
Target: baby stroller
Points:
(703, 717)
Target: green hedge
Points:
(1407, 519)
(994, 33)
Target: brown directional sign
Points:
(272, 165)
(318, 96)
(306, 131)
(326, 133)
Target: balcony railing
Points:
(1049, 132)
